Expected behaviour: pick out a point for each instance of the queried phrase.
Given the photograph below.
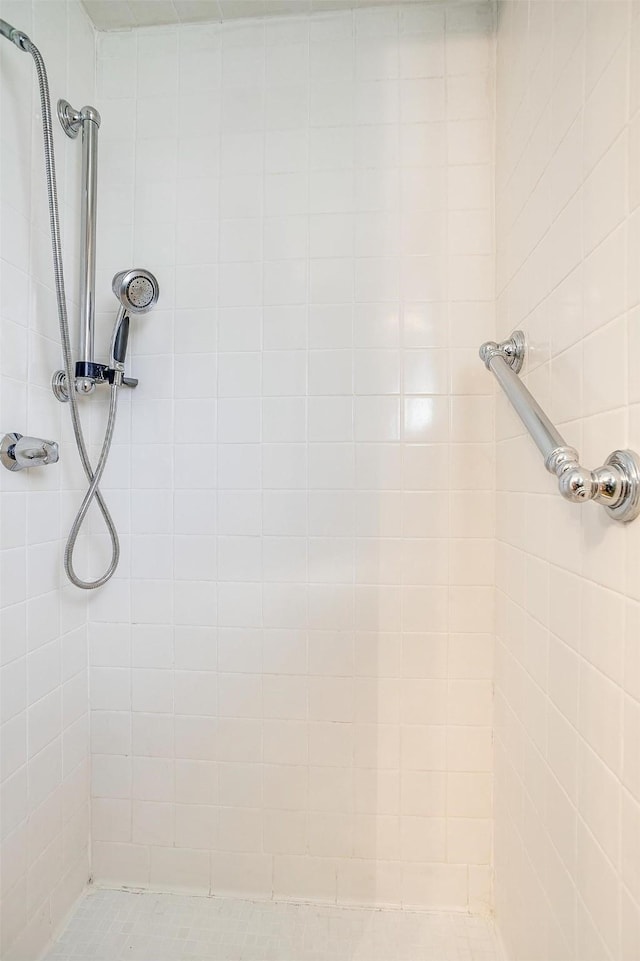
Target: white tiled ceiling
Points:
(116, 14)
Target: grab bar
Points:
(615, 485)
(72, 121)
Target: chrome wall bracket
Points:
(59, 386)
(70, 119)
(615, 485)
(512, 351)
(107, 375)
(18, 452)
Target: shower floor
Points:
(114, 925)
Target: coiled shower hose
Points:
(93, 477)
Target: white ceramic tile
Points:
(44, 679)
(567, 208)
(242, 528)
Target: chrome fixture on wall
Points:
(138, 291)
(73, 121)
(615, 485)
(14, 35)
(18, 452)
(86, 374)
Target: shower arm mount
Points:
(615, 485)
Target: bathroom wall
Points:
(44, 740)
(567, 792)
(291, 674)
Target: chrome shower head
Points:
(136, 289)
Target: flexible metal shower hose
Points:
(93, 477)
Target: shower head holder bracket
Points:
(100, 374)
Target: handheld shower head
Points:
(136, 289)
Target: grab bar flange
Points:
(627, 464)
(511, 350)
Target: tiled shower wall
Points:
(291, 676)
(568, 665)
(44, 737)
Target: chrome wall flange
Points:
(70, 119)
(59, 386)
(626, 464)
(615, 485)
(83, 385)
(512, 351)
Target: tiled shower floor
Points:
(114, 925)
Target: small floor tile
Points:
(119, 925)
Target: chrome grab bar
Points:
(72, 121)
(615, 485)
